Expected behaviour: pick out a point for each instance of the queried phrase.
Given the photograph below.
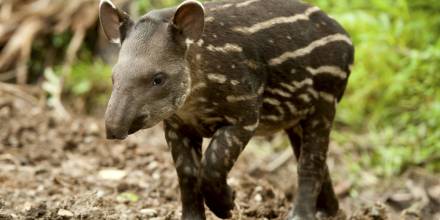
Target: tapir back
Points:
(293, 52)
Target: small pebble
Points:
(149, 212)
(112, 174)
(65, 213)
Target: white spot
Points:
(226, 48)
(251, 64)
(188, 42)
(213, 158)
(235, 82)
(231, 120)
(236, 141)
(209, 120)
(186, 142)
(172, 135)
(331, 70)
(309, 48)
(245, 3)
(187, 170)
(289, 38)
(261, 90)
(276, 21)
(198, 57)
(200, 42)
(218, 78)
(202, 99)
(305, 97)
(208, 110)
(209, 19)
(228, 139)
(179, 161)
(233, 66)
(173, 124)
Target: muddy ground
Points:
(58, 169)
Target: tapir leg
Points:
(186, 149)
(222, 152)
(314, 185)
(327, 201)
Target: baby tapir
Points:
(230, 70)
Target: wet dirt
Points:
(65, 169)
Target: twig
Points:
(282, 159)
(16, 91)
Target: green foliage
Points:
(393, 92)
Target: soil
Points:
(65, 169)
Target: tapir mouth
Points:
(137, 124)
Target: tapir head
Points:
(151, 79)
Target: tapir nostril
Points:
(113, 134)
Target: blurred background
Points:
(53, 55)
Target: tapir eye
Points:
(158, 79)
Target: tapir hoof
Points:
(219, 198)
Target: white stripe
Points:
(308, 49)
(291, 107)
(313, 92)
(232, 98)
(246, 3)
(270, 118)
(288, 87)
(331, 70)
(279, 92)
(218, 78)
(275, 21)
(225, 49)
(271, 101)
(252, 127)
(198, 86)
(231, 120)
(302, 83)
(327, 97)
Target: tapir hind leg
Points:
(325, 201)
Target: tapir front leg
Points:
(224, 149)
(186, 149)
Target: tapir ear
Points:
(114, 22)
(189, 19)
